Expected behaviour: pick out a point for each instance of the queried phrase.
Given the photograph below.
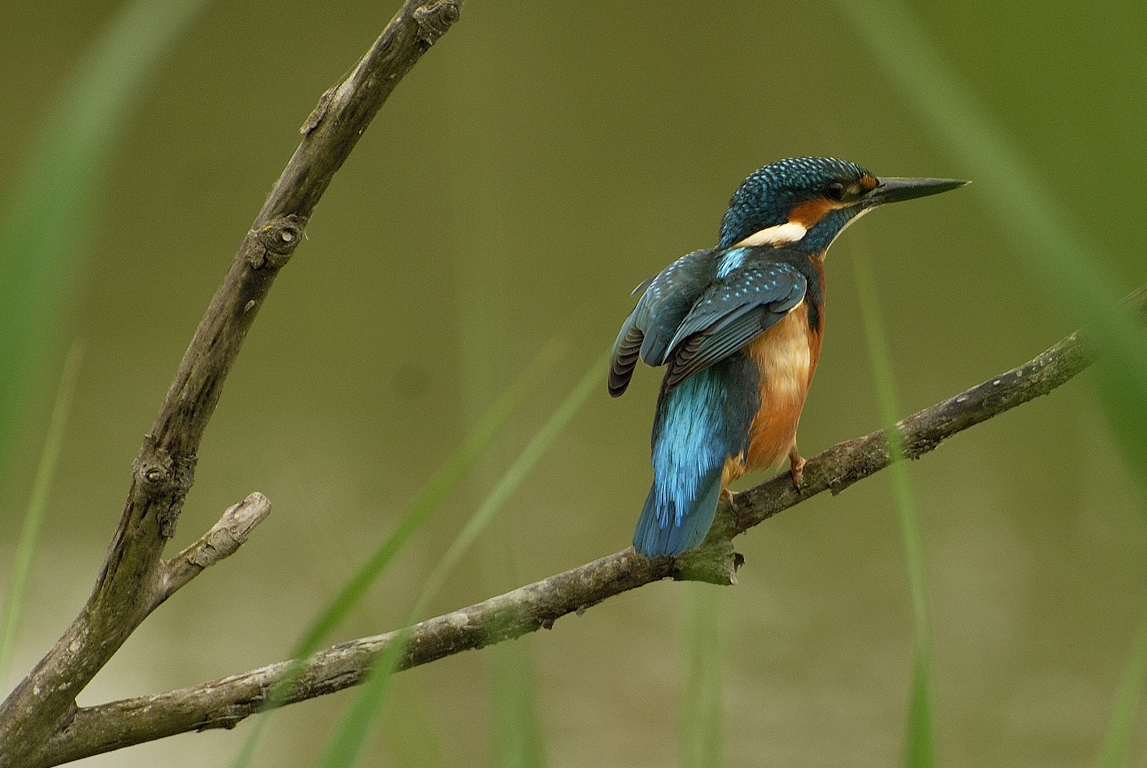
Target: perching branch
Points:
(223, 703)
(134, 578)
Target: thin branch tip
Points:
(240, 519)
(222, 541)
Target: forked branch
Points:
(134, 579)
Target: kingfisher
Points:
(738, 328)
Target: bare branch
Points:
(224, 538)
(133, 579)
(223, 703)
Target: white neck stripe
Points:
(789, 232)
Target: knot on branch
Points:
(229, 717)
(435, 18)
(161, 473)
(276, 241)
(164, 480)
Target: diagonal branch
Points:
(223, 703)
(133, 578)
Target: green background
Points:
(540, 161)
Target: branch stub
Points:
(435, 19)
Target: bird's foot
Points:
(727, 496)
(796, 468)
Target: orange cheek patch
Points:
(868, 183)
(808, 214)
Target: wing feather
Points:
(649, 329)
(690, 317)
(624, 359)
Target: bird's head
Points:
(805, 202)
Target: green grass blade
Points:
(410, 737)
(919, 745)
(346, 744)
(510, 481)
(37, 504)
(920, 736)
(1114, 750)
(441, 484)
(701, 738)
(433, 494)
(518, 735)
(47, 221)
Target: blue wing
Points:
(730, 314)
(650, 327)
(692, 316)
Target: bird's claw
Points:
(796, 468)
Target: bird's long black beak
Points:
(893, 189)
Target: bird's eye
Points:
(835, 191)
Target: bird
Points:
(738, 328)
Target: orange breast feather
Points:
(786, 355)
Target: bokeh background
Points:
(540, 161)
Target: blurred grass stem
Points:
(45, 232)
(920, 733)
(346, 745)
(440, 485)
(701, 727)
(38, 504)
(1113, 752)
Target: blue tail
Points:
(665, 528)
(699, 424)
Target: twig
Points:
(223, 703)
(134, 579)
(224, 538)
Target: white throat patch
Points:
(789, 232)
